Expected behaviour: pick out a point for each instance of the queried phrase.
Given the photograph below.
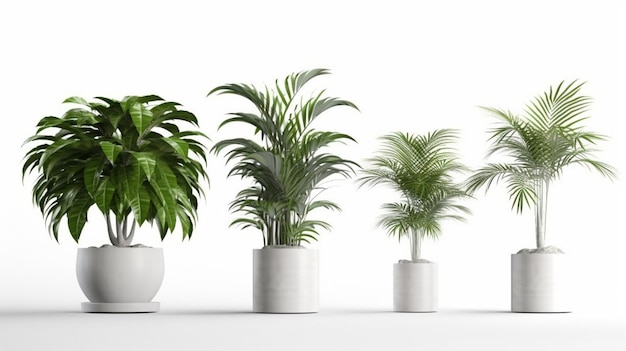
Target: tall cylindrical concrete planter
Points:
(540, 283)
(120, 280)
(285, 280)
(415, 287)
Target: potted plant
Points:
(131, 160)
(538, 145)
(421, 170)
(287, 165)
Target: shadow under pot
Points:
(120, 280)
(540, 283)
(285, 279)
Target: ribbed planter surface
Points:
(285, 280)
(415, 287)
(540, 283)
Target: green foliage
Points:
(420, 168)
(539, 144)
(288, 163)
(127, 157)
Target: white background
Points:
(409, 66)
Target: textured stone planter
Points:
(415, 287)
(120, 280)
(540, 283)
(285, 280)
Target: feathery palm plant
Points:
(421, 168)
(127, 157)
(548, 137)
(288, 163)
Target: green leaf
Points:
(162, 222)
(92, 174)
(115, 117)
(141, 116)
(49, 157)
(111, 150)
(185, 222)
(148, 98)
(179, 115)
(160, 109)
(146, 161)
(162, 183)
(76, 100)
(81, 116)
(104, 195)
(140, 204)
(77, 215)
(128, 179)
(179, 145)
(48, 122)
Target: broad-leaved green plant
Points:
(129, 158)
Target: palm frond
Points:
(546, 139)
(289, 164)
(538, 145)
(421, 169)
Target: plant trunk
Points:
(416, 245)
(112, 236)
(120, 237)
(541, 212)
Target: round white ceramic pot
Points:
(415, 287)
(285, 280)
(540, 283)
(122, 280)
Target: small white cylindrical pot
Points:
(415, 287)
(121, 280)
(540, 283)
(285, 280)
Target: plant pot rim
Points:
(411, 262)
(539, 254)
(282, 247)
(117, 247)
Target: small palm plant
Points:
(421, 168)
(539, 144)
(127, 157)
(288, 163)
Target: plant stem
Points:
(415, 240)
(541, 212)
(122, 238)
(124, 229)
(271, 233)
(119, 236)
(112, 237)
(131, 235)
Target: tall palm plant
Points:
(287, 162)
(421, 168)
(539, 144)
